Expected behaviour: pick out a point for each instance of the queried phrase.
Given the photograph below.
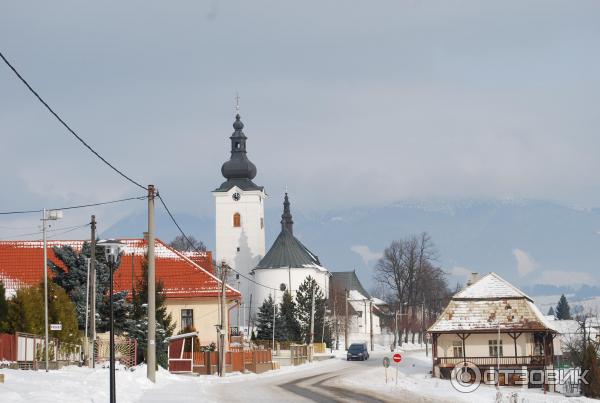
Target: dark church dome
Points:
(238, 170)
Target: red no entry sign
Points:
(397, 357)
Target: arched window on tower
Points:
(237, 220)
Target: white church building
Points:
(288, 263)
(240, 234)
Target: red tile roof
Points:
(183, 275)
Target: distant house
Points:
(491, 323)
(360, 303)
(190, 286)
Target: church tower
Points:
(239, 202)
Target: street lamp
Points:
(112, 252)
(47, 215)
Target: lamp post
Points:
(47, 215)
(112, 252)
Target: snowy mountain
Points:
(544, 247)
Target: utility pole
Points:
(93, 290)
(47, 215)
(274, 314)
(151, 370)
(87, 311)
(346, 293)
(371, 322)
(46, 345)
(312, 321)
(223, 324)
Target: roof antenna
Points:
(237, 103)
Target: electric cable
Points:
(74, 207)
(67, 126)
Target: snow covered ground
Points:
(73, 384)
(414, 377)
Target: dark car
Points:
(358, 351)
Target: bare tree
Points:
(417, 289)
(190, 244)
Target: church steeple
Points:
(286, 218)
(239, 170)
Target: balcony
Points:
(505, 361)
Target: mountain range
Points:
(544, 247)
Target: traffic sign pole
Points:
(397, 358)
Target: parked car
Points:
(358, 351)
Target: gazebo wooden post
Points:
(515, 336)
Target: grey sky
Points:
(348, 103)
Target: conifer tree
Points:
(563, 311)
(551, 312)
(137, 324)
(73, 279)
(288, 323)
(590, 362)
(26, 312)
(264, 320)
(304, 305)
(3, 309)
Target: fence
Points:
(299, 354)
(125, 351)
(28, 350)
(206, 362)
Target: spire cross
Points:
(237, 102)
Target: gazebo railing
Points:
(521, 360)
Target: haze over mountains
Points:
(544, 247)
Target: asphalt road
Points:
(321, 382)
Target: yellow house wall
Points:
(206, 316)
(477, 345)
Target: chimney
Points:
(472, 278)
(146, 236)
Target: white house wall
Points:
(249, 237)
(477, 345)
(275, 277)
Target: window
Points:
(237, 145)
(495, 348)
(187, 318)
(359, 314)
(262, 223)
(457, 349)
(238, 249)
(237, 220)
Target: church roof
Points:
(238, 170)
(287, 250)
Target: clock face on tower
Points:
(236, 196)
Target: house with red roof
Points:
(190, 286)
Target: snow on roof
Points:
(378, 301)
(354, 295)
(183, 275)
(489, 303)
(491, 286)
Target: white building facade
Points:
(239, 213)
(287, 264)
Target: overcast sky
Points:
(346, 103)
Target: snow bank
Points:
(414, 377)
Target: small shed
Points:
(181, 361)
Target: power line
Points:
(66, 125)
(197, 250)
(74, 207)
(68, 229)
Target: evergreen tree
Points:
(551, 312)
(287, 321)
(26, 312)
(137, 324)
(264, 320)
(71, 274)
(3, 309)
(563, 311)
(590, 362)
(322, 329)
